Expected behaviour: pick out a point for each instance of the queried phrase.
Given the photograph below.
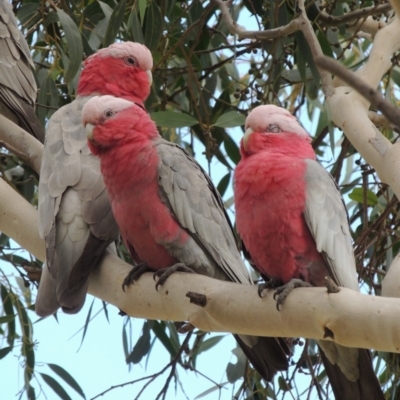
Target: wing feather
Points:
(326, 217)
(195, 202)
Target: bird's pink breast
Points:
(145, 222)
(269, 201)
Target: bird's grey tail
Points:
(366, 387)
(267, 355)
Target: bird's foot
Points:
(270, 284)
(135, 273)
(283, 291)
(165, 273)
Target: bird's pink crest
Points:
(125, 49)
(260, 118)
(96, 108)
(121, 70)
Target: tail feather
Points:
(268, 355)
(366, 387)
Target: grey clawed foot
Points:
(165, 273)
(135, 273)
(283, 291)
(270, 284)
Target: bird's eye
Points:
(108, 113)
(273, 128)
(130, 61)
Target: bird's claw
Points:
(165, 273)
(270, 284)
(283, 291)
(134, 274)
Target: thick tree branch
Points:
(356, 320)
(21, 143)
(391, 112)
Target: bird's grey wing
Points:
(17, 82)
(196, 204)
(75, 215)
(193, 199)
(326, 217)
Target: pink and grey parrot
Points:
(75, 216)
(17, 83)
(293, 224)
(170, 215)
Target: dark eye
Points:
(273, 128)
(130, 61)
(108, 113)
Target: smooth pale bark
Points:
(21, 143)
(356, 320)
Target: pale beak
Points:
(150, 75)
(246, 137)
(89, 131)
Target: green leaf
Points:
(62, 373)
(159, 330)
(172, 119)
(236, 371)
(223, 184)
(209, 391)
(134, 25)
(116, 19)
(141, 347)
(230, 119)
(153, 26)
(8, 310)
(232, 149)
(105, 310)
(209, 343)
(55, 386)
(142, 9)
(4, 351)
(7, 318)
(74, 42)
(87, 323)
(358, 195)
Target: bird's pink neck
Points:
(288, 144)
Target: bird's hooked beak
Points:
(246, 137)
(89, 131)
(150, 75)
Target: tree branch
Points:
(391, 112)
(230, 307)
(353, 16)
(21, 143)
(236, 29)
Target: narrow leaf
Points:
(223, 184)
(74, 42)
(62, 373)
(230, 120)
(171, 119)
(358, 195)
(153, 26)
(116, 19)
(232, 149)
(86, 323)
(4, 351)
(55, 386)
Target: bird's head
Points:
(111, 121)
(122, 69)
(274, 128)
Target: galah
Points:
(293, 224)
(75, 216)
(17, 83)
(170, 215)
